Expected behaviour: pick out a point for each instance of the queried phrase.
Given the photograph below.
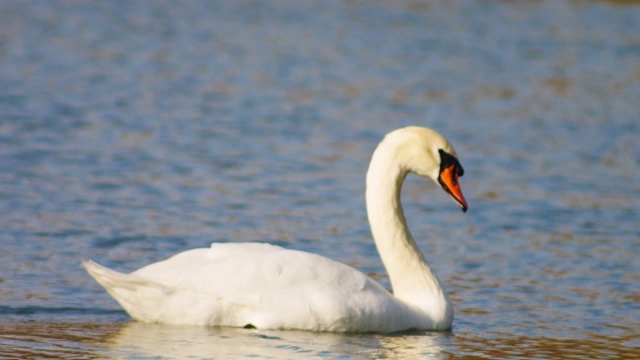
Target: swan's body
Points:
(266, 286)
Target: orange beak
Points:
(449, 180)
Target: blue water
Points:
(130, 131)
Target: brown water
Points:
(130, 131)
(136, 340)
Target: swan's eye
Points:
(447, 160)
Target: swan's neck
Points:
(411, 278)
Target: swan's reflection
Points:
(168, 341)
(413, 346)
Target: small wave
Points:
(32, 310)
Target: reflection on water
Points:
(126, 340)
(508, 346)
(52, 339)
(155, 340)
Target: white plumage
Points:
(267, 286)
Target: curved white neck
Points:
(411, 278)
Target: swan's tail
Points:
(134, 294)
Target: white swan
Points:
(269, 287)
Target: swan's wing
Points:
(259, 284)
(244, 268)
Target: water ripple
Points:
(131, 131)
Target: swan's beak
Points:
(449, 180)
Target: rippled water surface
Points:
(130, 131)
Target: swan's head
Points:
(425, 152)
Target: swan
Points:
(257, 285)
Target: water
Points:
(131, 131)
